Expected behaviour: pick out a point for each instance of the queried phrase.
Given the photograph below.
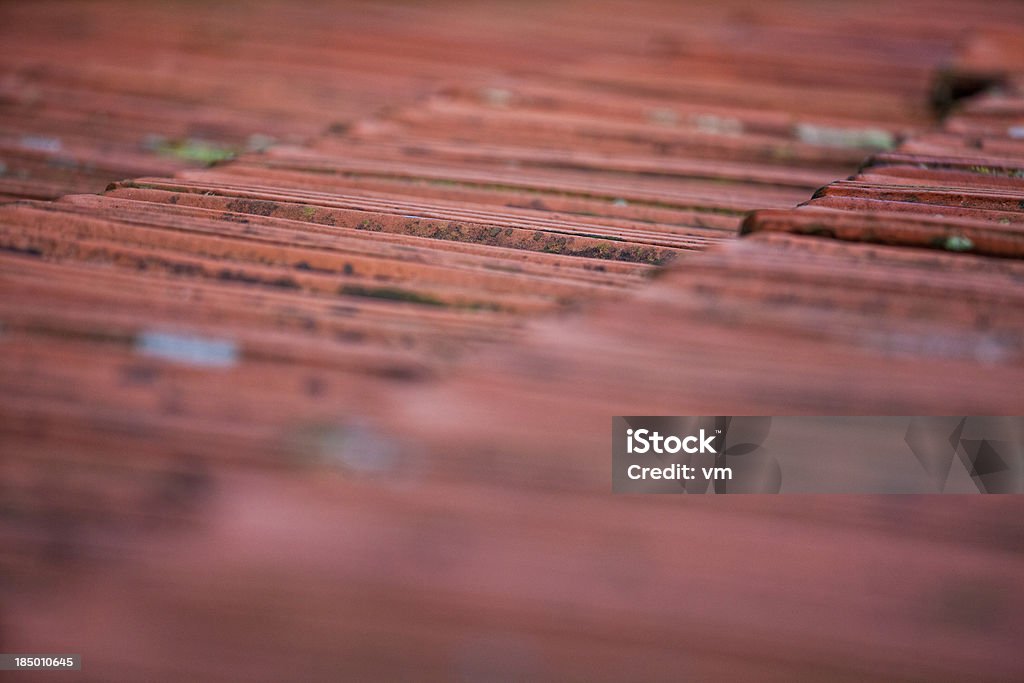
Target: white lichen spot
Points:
(496, 97)
(856, 138)
(663, 117)
(359, 449)
(718, 125)
(187, 349)
(41, 143)
(258, 142)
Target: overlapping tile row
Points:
(161, 312)
(959, 188)
(339, 387)
(97, 92)
(773, 324)
(563, 153)
(922, 317)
